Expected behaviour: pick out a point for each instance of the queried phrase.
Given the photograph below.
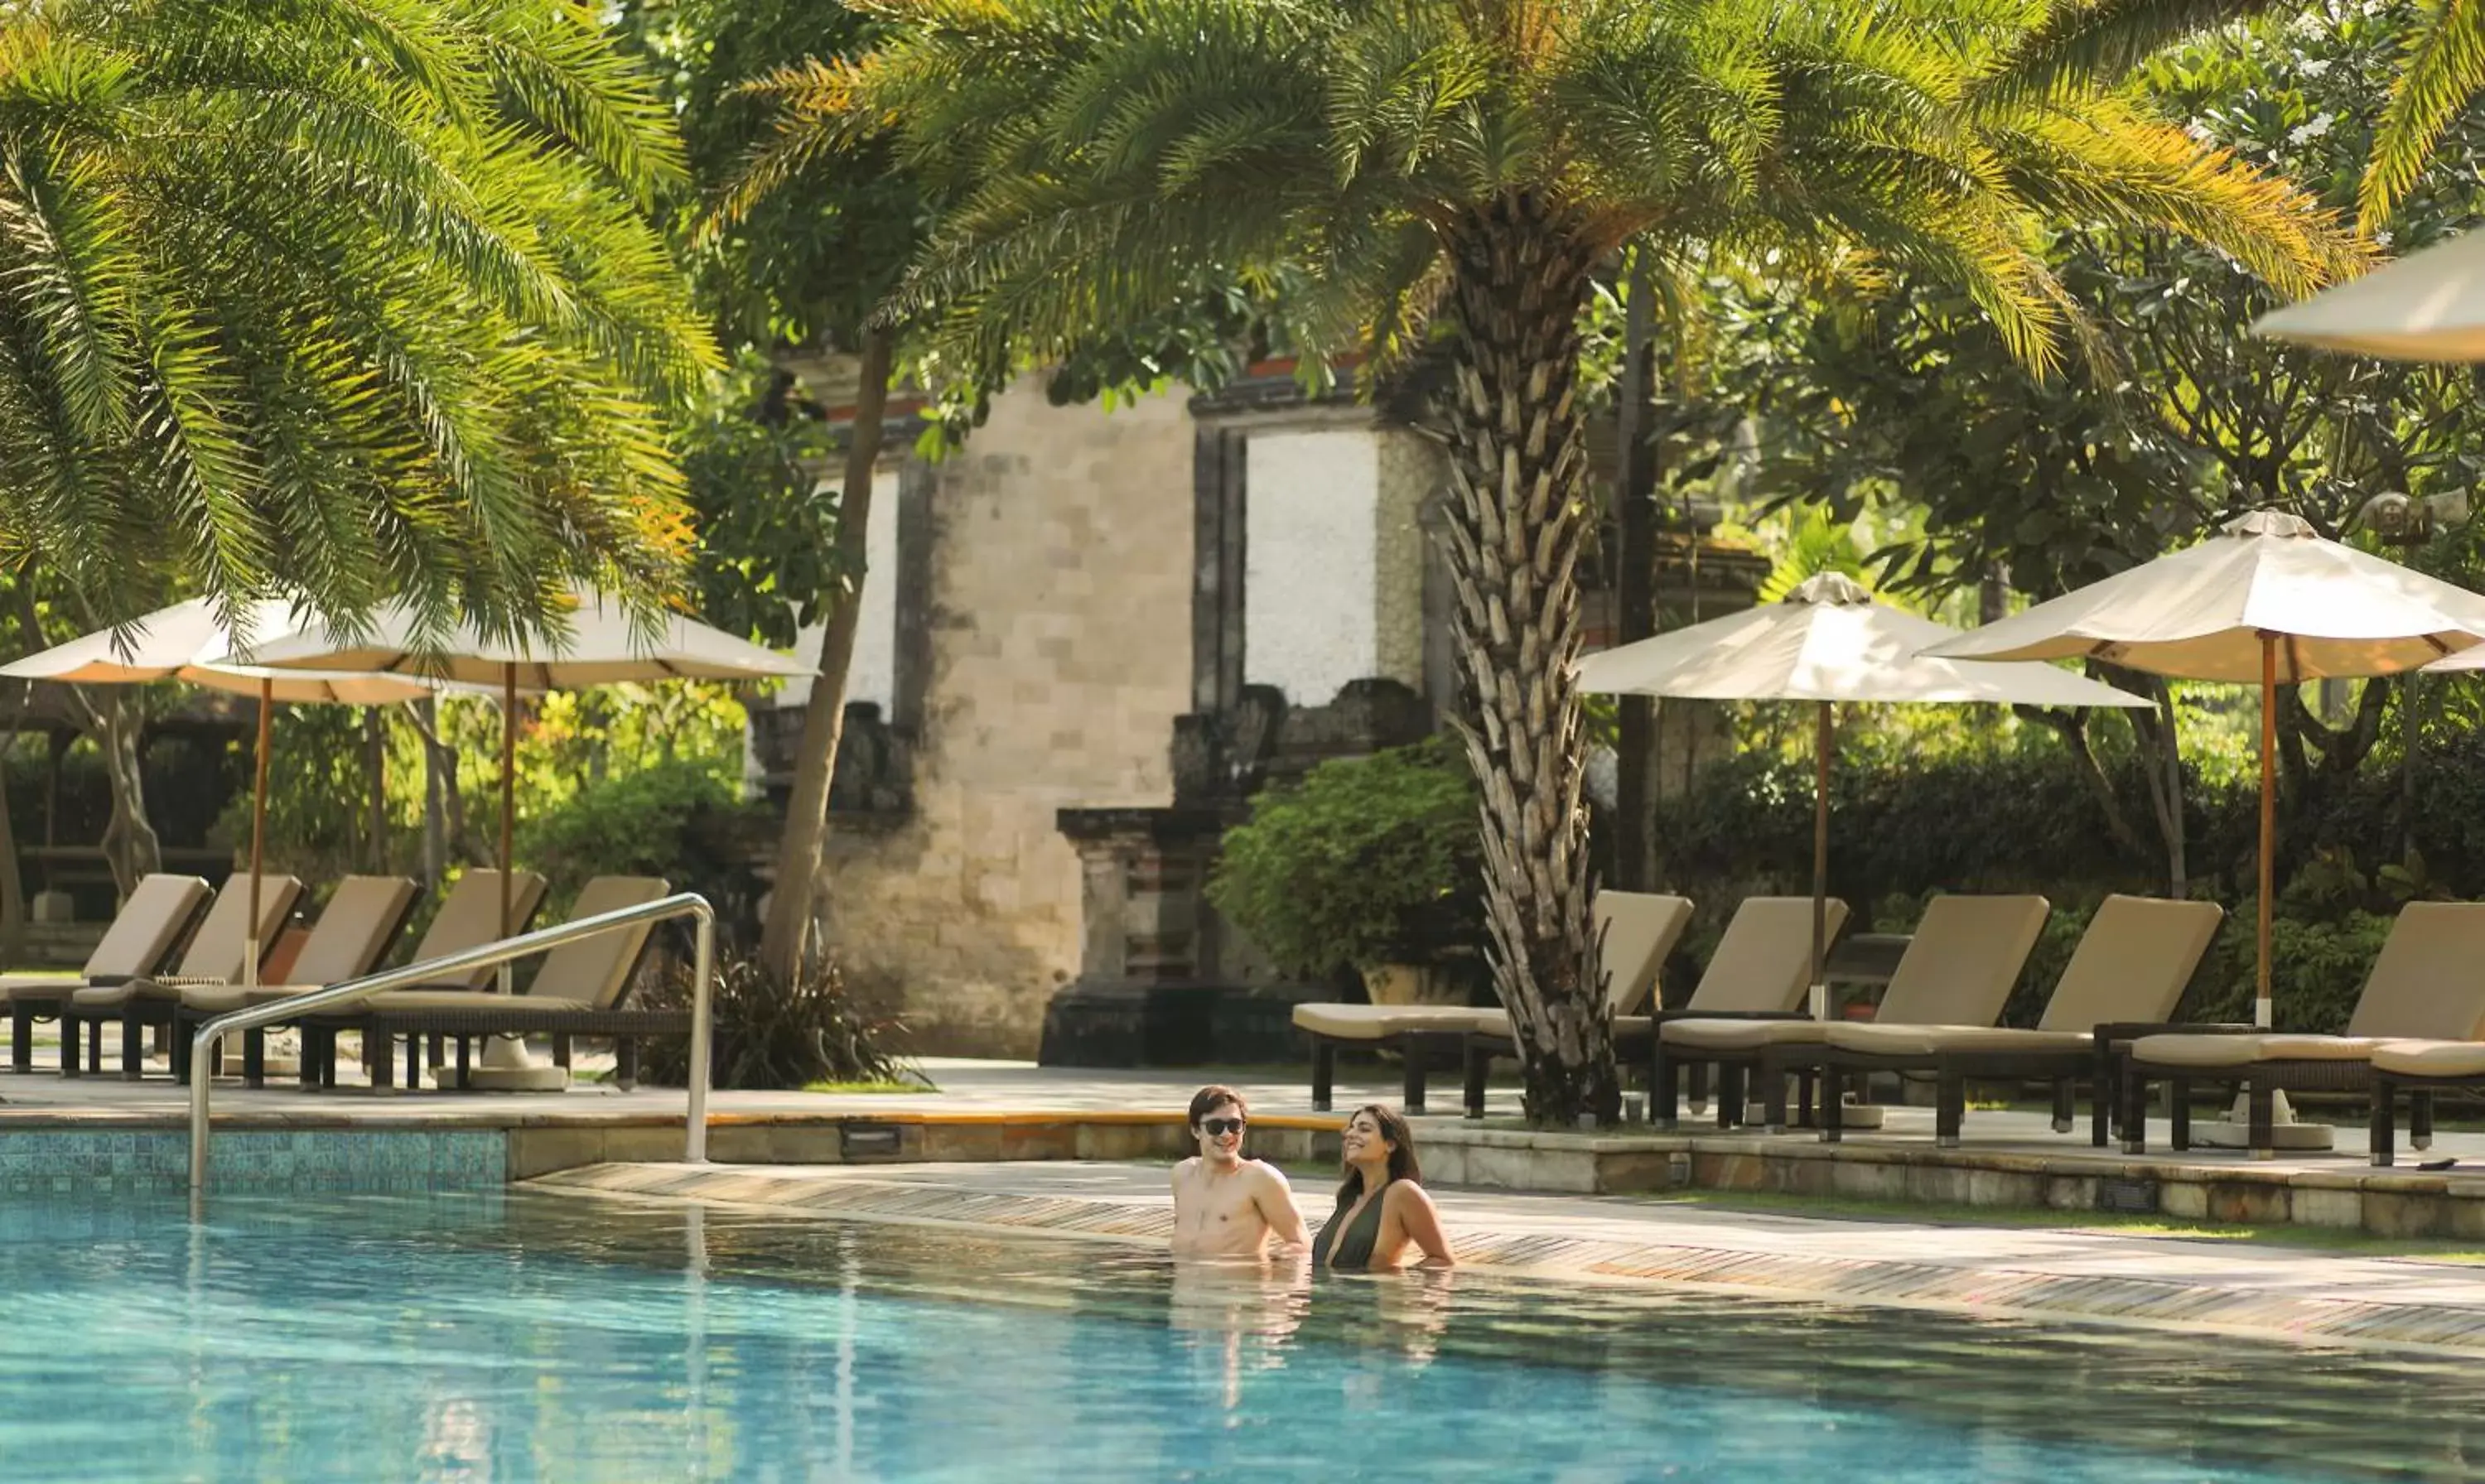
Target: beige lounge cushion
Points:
(217, 999)
(1637, 931)
(1740, 1035)
(1762, 963)
(2431, 1058)
(1963, 960)
(2132, 963)
(596, 969)
(471, 917)
(411, 1001)
(217, 949)
(39, 986)
(141, 934)
(1935, 1041)
(2225, 1051)
(363, 914)
(2425, 984)
(1378, 1022)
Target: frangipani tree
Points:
(1448, 176)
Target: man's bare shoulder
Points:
(1186, 1168)
(1268, 1173)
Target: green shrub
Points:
(655, 822)
(771, 1034)
(1367, 861)
(2316, 969)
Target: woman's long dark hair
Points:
(1401, 1139)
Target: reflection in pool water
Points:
(522, 1337)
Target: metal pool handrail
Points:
(203, 1046)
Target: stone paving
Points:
(2089, 1274)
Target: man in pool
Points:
(1225, 1206)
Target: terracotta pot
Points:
(1410, 984)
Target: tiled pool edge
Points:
(154, 1161)
(1989, 1291)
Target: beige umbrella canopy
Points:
(2428, 307)
(603, 647)
(1828, 641)
(2267, 600)
(188, 641)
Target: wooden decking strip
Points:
(1839, 1279)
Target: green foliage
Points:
(654, 821)
(771, 1034)
(355, 301)
(1367, 861)
(2317, 968)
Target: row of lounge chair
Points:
(2418, 1029)
(578, 991)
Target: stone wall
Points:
(1057, 563)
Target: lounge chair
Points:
(1756, 972)
(2123, 982)
(362, 917)
(2420, 1068)
(576, 992)
(1957, 970)
(2425, 987)
(142, 936)
(216, 952)
(1637, 931)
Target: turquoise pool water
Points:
(490, 1337)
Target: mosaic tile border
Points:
(45, 1161)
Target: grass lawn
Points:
(832, 1086)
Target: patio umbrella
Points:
(2426, 307)
(603, 647)
(1827, 641)
(188, 641)
(2266, 601)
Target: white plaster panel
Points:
(1311, 545)
(873, 676)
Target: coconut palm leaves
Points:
(353, 299)
(1455, 172)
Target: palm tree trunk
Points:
(1519, 482)
(129, 844)
(784, 937)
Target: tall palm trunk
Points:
(1518, 473)
(785, 936)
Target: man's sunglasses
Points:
(1217, 1128)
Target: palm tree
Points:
(1450, 175)
(351, 298)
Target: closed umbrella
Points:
(2429, 306)
(604, 646)
(1827, 641)
(188, 641)
(2268, 600)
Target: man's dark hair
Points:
(1207, 1099)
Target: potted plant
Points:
(1367, 863)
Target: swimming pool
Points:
(515, 1338)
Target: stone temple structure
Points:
(1087, 639)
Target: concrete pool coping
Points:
(1007, 1112)
(2090, 1276)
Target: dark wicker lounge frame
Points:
(379, 1031)
(2260, 1082)
(1419, 1052)
(2419, 1091)
(1732, 1069)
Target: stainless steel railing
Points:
(203, 1046)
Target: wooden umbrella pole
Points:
(1822, 734)
(2268, 817)
(258, 832)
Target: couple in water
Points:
(1225, 1206)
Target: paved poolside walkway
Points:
(2087, 1275)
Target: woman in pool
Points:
(1381, 1208)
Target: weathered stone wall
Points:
(1059, 569)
